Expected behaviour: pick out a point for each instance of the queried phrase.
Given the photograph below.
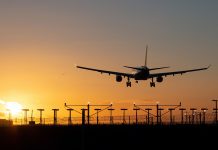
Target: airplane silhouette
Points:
(142, 73)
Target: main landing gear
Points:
(152, 83)
(128, 83)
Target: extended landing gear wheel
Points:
(128, 84)
(152, 84)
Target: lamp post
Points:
(111, 117)
(97, 109)
(204, 112)
(25, 115)
(40, 119)
(171, 115)
(136, 115)
(124, 118)
(160, 109)
(157, 112)
(215, 110)
(148, 119)
(193, 114)
(55, 116)
(83, 116)
(70, 117)
(182, 113)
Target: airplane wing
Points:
(176, 72)
(109, 72)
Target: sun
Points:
(13, 107)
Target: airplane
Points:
(142, 73)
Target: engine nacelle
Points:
(118, 78)
(160, 79)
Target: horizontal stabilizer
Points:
(136, 68)
(158, 68)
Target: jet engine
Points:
(118, 78)
(159, 79)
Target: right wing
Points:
(109, 72)
(175, 72)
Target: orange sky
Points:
(40, 43)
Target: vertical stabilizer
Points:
(146, 53)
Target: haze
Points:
(41, 41)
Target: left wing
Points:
(109, 72)
(176, 72)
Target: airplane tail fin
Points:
(146, 53)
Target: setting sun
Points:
(13, 107)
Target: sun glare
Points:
(13, 107)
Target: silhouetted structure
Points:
(193, 114)
(25, 115)
(215, 110)
(124, 117)
(136, 115)
(83, 116)
(70, 117)
(31, 122)
(97, 109)
(182, 114)
(204, 113)
(40, 114)
(158, 110)
(160, 115)
(148, 115)
(111, 116)
(55, 116)
(88, 110)
(171, 115)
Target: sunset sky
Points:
(41, 41)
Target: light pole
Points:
(171, 115)
(25, 115)
(124, 118)
(215, 109)
(136, 115)
(204, 112)
(40, 110)
(182, 113)
(148, 119)
(88, 109)
(97, 109)
(70, 116)
(193, 114)
(55, 116)
(111, 117)
(160, 109)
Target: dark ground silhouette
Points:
(107, 137)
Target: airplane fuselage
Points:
(142, 74)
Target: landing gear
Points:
(152, 83)
(128, 83)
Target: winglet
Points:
(208, 66)
(75, 65)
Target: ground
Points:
(106, 137)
